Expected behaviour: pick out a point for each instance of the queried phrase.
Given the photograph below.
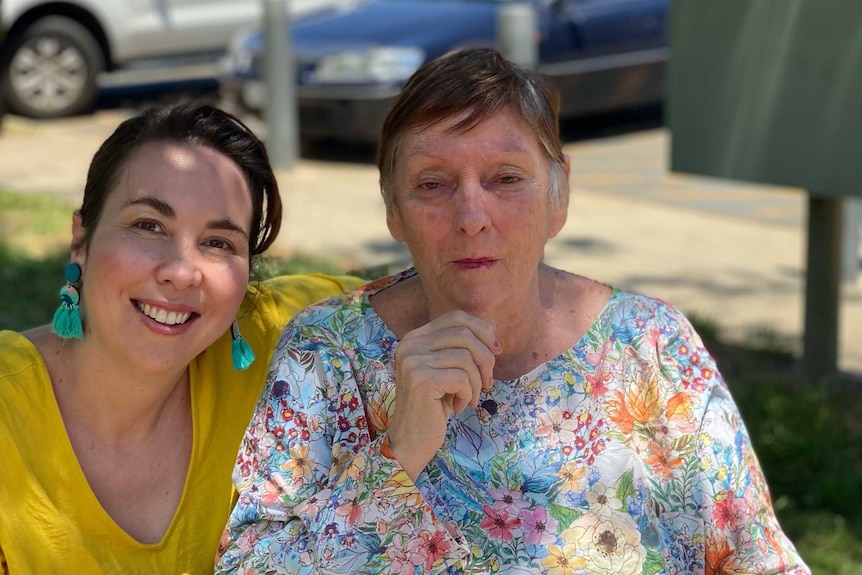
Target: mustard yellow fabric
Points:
(51, 522)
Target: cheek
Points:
(233, 285)
(424, 225)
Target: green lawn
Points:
(808, 436)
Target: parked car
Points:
(603, 55)
(55, 50)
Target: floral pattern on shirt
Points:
(624, 455)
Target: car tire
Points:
(50, 69)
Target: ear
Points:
(394, 223)
(78, 247)
(560, 213)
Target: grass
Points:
(807, 436)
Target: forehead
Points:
(502, 133)
(184, 173)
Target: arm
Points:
(316, 493)
(742, 531)
(742, 534)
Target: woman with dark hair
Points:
(485, 412)
(119, 422)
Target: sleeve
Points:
(741, 531)
(317, 492)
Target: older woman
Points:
(485, 412)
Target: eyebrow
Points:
(167, 211)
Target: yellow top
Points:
(50, 520)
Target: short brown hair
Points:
(480, 82)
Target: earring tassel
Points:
(241, 353)
(67, 323)
(67, 318)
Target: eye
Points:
(429, 186)
(509, 179)
(150, 226)
(220, 244)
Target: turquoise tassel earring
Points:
(67, 318)
(241, 353)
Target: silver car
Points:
(54, 53)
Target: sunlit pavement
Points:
(728, 251)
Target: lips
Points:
(475, 263)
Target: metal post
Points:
(852, 227)
(517, 34)
(822, 286)
(282, 140)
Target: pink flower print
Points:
(732, 511)
(508, 500)
(499, 523)
(538, 526)
(350, 510)
(399, 560)
(427, 549)
(598, 380)
(597, 356)
(557, 427)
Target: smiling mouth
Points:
(163, 316)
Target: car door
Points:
(604, 54)
(204, 25)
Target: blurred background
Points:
(728, 245)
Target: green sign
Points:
(768, 91)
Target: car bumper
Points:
(353, 114)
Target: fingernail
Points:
(497, 345)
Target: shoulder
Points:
(633, 314)
(19, 354)
(346, 321)
(299, 290)
(23, 376)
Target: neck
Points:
(520, 325)
(114, 402)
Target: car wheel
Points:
(51, 69)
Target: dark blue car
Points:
(603, 55)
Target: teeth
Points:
(164, 316)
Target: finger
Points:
(446, 372)
(454, 337)
(480, 328)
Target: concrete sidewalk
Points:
(730, 252)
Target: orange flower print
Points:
(679, 413)
(717, 550)
(639, 404)
(644, 397)
(662, 461)
(619, 413)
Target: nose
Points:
(471, 214)
(180, 265)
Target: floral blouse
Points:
(624, 455)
